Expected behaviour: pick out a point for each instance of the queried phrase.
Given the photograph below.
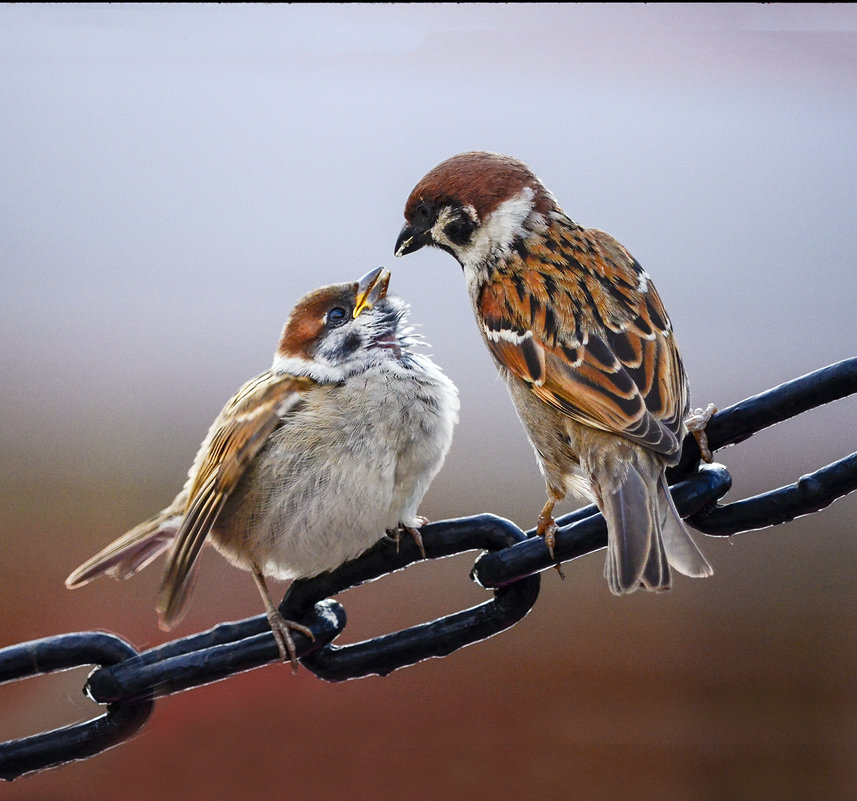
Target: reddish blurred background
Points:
(175, 177)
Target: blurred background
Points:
(175, 177)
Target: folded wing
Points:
(616, 369)
(235, 438)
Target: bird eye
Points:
(335, 317)
(423, 212)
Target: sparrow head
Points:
(343, 329)
(474, 205)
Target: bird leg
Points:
(414, 531)
(279, 625)
(696, 422)
(547, 528)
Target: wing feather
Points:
(592, 338)
(233, 441)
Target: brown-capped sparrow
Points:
(312, 461)
(582, 339)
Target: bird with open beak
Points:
(311, 462)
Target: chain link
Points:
(127, 682)
(81, 740)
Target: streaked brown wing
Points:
(235, 438)
(591, 338)
(607, 395)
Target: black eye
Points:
(335, 317)
(424, 213)
(459, 230)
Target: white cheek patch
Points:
(437, 233)
(499, 229)
(506, 222)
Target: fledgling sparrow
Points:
(582, 339)
(312, 461)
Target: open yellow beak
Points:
(370, 289)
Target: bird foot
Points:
(414, 531)
(547, 528)
(696, 422)
(281, 627)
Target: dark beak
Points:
(412, 238)
(370, 289)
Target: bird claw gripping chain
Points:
(127, 682)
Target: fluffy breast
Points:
(352, 462)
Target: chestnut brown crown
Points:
(479, 179)
(347, 326)
(460, 193)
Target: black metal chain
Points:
(127, 682)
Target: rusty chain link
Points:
(127, 682)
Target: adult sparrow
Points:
(580, 335)
(312, 461)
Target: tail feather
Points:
(681, 550)
(656, 576)
(646, 536)
(630, 529)
(129, 553)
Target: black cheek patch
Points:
(348, 344)
(459, 231)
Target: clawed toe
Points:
(281, 629)
(696, 422)
(547, 529)
(414, 531)
(418, 539)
